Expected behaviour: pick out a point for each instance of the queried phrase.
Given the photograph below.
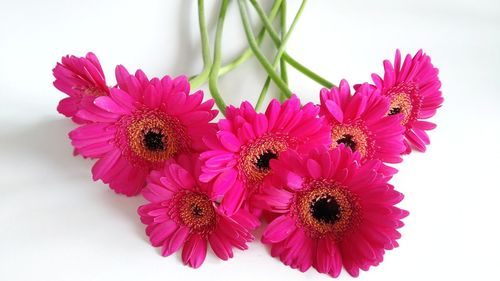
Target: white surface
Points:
(56, 224)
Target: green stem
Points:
(281, 50)
(258, 54)
(214, 71)
(243, 57)
(263, 93)
(308, 72)
(275, 38)
(205, 48)
(283, 70)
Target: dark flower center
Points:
(347, 141)
(395, 110)
(264, 159)
(325, 209)
(154, 141)
(197, 211)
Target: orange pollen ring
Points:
(197, 212)
(352, 136)
(166, 130)
(401, 103)
(252, 163)
(347, 218)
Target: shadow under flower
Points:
(44, 145)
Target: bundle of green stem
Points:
(276, 70)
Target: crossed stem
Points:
(212, 70)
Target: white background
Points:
(56, 224)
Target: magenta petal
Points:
(294, 181)
(314, 168)
(109, 105)
(122, 98)
(122, 75)
(162, 231)
(246, 219)
(229, 141)
(278, 230)
(272, 112)
(224, 182)
(103, 165)
(323, 257)
(176, 241)
(194, 251)
(336, 266)
(218, 247)
(233, 199)
(152, 98)
(68, 106)
(335, 110)
(260, 125)
(424, 125)
(415, 140)
(185, 179)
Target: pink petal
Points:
(294, 181)
(152, 98)
(260, 125)
(224, 182)
(314, 168)
(162, 231)
(109, 105)
(68, 106)
(278, 230)
(123, 99)
(175, 242)
(229, 141)
(218, 247)
(104, 165)
(335, 110)
(233, 199)
(194, 251)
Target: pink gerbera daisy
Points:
(238, 158)
(333, 211)
(139, 126)
(82, 79)
(414, 91)
(182, 212)
(360, 122)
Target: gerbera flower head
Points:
(360, 122)
(182, 213)
(334, 211)
(139, 126)
(413, 88)
(82, 79)
(238, 157)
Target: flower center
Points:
(325, 207)
(264, 159)
(394, 110)
(197, 212)
(353, 136)
(255, 157)
(154, 141)
(347, 141)
(149, 136)
(405, 100)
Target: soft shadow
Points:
(46, 142)
(187, 49)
